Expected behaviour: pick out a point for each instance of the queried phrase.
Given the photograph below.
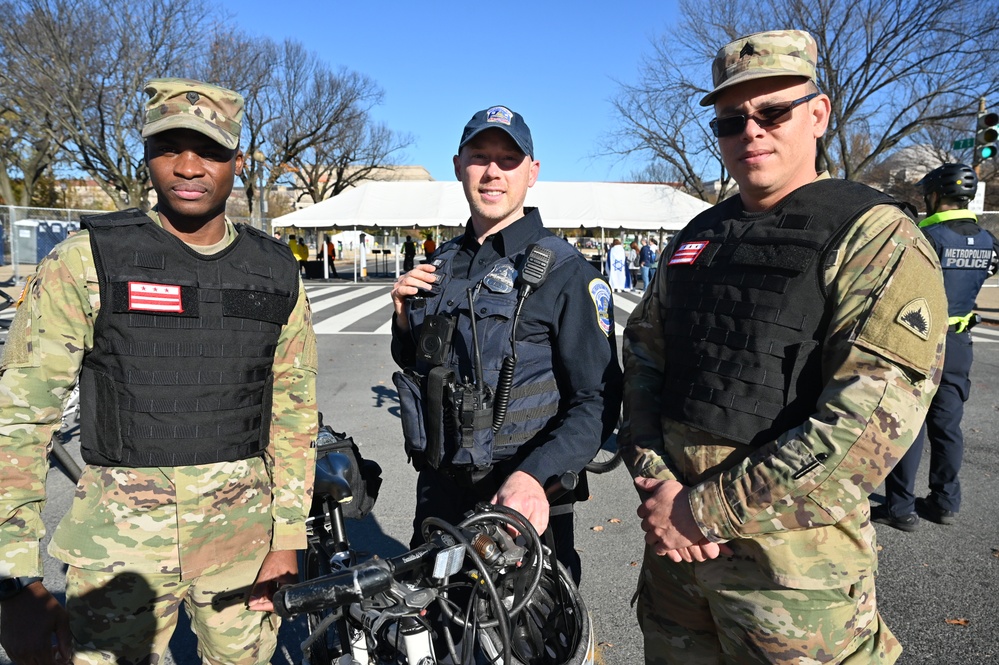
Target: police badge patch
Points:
(601, 295)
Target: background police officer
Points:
(548, 317)
(193, 345)
(968, 255)
(766, 392)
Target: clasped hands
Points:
(669, 525)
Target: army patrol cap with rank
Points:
(187, 104)
(762, 55)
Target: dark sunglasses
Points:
(765, 117)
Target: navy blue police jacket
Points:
(571, 313)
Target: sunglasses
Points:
(765, 117)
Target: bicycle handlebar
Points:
(332, 591)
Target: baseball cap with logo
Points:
(762, 55)
(187, 104)
(499, 117)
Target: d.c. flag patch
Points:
(688, 253)
(146, 297)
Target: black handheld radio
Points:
(537, 265)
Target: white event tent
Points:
(563, 205)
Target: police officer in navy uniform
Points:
(968, 255)
(506, 340)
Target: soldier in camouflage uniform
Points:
(193, 343)
(779, 367)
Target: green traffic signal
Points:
(986, 137)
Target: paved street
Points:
(928, 578)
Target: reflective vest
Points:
(534, 396)
(746, 310)
(964, 259)
(181, 369)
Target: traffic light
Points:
(986, 137)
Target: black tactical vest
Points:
(534, 397)
(746, 310)
(181, 369)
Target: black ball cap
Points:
(499, 117)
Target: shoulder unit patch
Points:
(601, 295)
(915, 317)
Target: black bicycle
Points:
(471, 593)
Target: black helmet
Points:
(950, 181)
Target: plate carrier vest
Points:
(181, 369)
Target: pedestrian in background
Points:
(197, 390)
(646, 259)
(634, 267)
(408, 254)
(330, 256)
(767, 394)
(968, 255)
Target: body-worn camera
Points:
(435, 339)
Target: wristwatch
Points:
(11, 586)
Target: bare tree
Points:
(892, 69)
(26, 155)
(247, 65)
(82, 64)
(362, 150)
(306, 123)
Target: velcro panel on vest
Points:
(794, 258)
(256, 305)
(156, 261)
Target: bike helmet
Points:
(950, 181)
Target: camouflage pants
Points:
(128, 618)
(727, 611)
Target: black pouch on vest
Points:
(411, 412)
(473, 445)
(364, 476)
(427, 423)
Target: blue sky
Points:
(554, 62)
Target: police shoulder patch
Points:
(915, 317)
(600, 293)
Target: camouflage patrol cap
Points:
(188, 104)
(762, 55)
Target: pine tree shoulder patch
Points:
(915, 317)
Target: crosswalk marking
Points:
(984, 334)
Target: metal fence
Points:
(31, 233)
(28, 234)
